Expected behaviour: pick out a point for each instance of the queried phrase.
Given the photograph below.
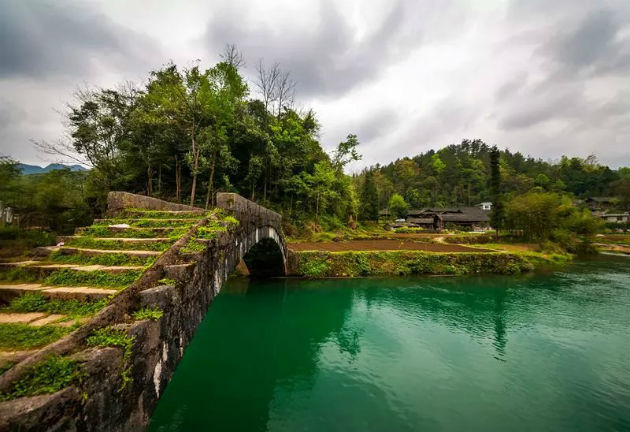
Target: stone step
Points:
(36, 319)
(88, 252)
(143, 213)
(70, 250)
(45, 268)
(9, 291)
(132, 220)
(119, 230)
(120, 239)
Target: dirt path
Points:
(382, 245)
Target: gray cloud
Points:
(325, 59)
(596, 45)
(40, 39)
(540, 77)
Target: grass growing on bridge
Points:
(108, 336)
(16, 336)
(48, 376)
(149, 313)
(96, 278)
(106, 259)
(93, 243)
(35, 302)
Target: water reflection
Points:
(385, 354)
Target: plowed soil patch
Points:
(382, 245)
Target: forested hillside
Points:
(460, 175)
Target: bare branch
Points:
(285, 91)
(267, 80)
(64, 151)
(232, 56)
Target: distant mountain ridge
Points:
(35, 169)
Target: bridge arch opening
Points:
(265, 259)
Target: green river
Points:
(540, 352)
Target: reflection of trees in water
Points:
(275, 342)
(475, 305)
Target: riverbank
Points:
(324, 264)
(416, 254)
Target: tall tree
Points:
(498, 212)
(369, 197)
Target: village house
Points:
(440, 218)
(485, 206)
(620, 218)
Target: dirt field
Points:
(382, 245)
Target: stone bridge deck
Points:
(156, 266)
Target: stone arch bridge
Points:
(118, 391)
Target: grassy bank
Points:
(321, 264)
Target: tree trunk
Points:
(178, 180)
(160, 180)
(194, 174)
(210, 196)
(149, 180)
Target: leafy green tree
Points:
(369, 198)
(346, 152)
(398, 206)
(497, 216)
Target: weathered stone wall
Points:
(99, 403)
(256, 223)
(117, 201)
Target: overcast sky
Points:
(542, 77)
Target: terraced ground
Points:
(53, 290)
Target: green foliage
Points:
(497, 216)
(57, 200)
(312, 267)
(369, 198)
(104, 231)
(92, 243)
(148, 313)
(31, 237)
(168, 281)
(18, 274)
(106, 259)
(15, 336)
(67, 277)
(541, 216)
(108, 336)
(473, 172)
(48, 376)
(35, 302)
(3, 368)
(398, 206)
(193, 246)
(318, 264)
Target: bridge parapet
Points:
(248, 212)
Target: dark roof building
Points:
(455, 215)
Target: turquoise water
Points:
(544, 352)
